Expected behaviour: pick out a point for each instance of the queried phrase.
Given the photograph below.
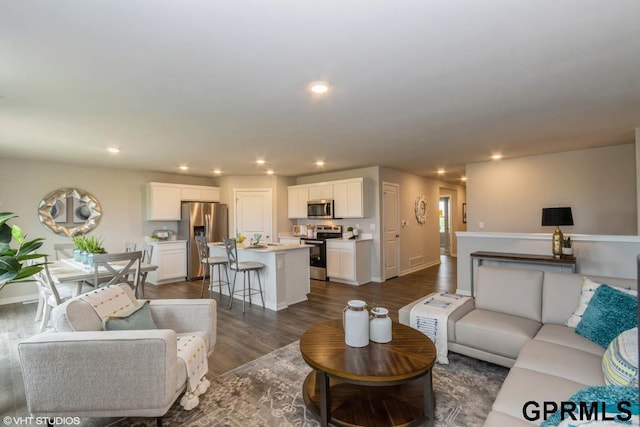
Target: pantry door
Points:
(253, 213)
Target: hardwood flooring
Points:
(240, 337)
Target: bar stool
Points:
(245, 267)
(212, 262)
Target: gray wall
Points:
(598, 184)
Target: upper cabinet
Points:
(322, 191)
(352, 198)
(163, 199)
(298, 195)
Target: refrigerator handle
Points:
(207, 225)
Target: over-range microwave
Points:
(320, 209)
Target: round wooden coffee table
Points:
(377, 385)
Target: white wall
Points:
(120, 192)
(637, 146)
(598, 184)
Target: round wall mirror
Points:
(69, 211)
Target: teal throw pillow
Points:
(620, 404)
(140, 319)
(609, 313)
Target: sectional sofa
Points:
(517, 319)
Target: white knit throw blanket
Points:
(430, 317)
(192, 349)
(110, 301)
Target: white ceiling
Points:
(416, 85)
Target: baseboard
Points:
(419, 267)
(27, 299)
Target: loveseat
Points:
(517, 319)
(80, 370)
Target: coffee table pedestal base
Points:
(370, 405)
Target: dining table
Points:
(69, 270)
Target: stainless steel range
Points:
(318, 249)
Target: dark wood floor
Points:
(240, 337)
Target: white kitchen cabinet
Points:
(298, 195)
(348, 261)
(171, 259)
(200, 193)
(352, 198)
(322, 191)
(163, 199)
(163, 202)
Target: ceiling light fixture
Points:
(261, 161)
(113, 150)
(319, 163)
(496, 156)
(440, 171)
(217, 171)
(184, 168)
(270, 172)
(464, 178)
(319, 87)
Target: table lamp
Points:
(557, 217)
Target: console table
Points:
(545, 260)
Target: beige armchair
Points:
(80, 370)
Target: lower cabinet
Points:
(171, 259)
(348, 261)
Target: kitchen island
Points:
(285, 278)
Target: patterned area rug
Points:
(268, 392)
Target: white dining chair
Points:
(147, 253)
(130, 246)
(117, 267)
(63, 250)
(53, 294)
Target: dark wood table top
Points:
(409, 355)
(524, 257)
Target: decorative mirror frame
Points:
(421, 209)
(64, 199)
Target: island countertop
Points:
(285, 277)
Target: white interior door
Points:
(254, 214)
(391, 233)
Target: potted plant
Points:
(81, 246)
(93, 246)
(12, 268)
(567, 246)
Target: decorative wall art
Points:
(421, 209)
(69, 212)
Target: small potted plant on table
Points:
(567, 247)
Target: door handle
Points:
(397, 235)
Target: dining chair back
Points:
(118, 267)
(129, 246)
(210, 263)
(147, 253)
(63, 250)
(244, 267)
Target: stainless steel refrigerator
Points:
(201, 219)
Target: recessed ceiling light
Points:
(184, 168)
(496, 156)
(217, 171)
(270, 172)
(319, 163)
(260, 161)
(464, 178)
(319, 87)
(113, 150)
(440, 171)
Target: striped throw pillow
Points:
(620, 361)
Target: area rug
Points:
(268, 392)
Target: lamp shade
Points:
(556, 216)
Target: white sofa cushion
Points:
(495, 332)
(567, 336)
(561, 361)
(560, 293)
(515, 291)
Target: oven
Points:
(318, 249)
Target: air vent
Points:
(415, 261)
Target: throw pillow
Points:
(611, 396)
(139, 319)
(609, 313)
(620, 361)
(589, 287)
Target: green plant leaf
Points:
(28, 271)
(6, 216)
(17, 234)
(8, 263)
(5, 234)
(30, 246)
(7, 276)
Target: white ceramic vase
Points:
(380, 325)
(355, 319)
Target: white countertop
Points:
(270, 247)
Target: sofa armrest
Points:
(456, 315)
(186, 315)
(92, 373)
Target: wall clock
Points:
(421, 209)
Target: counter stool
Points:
(245, 267)
(212, 262)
